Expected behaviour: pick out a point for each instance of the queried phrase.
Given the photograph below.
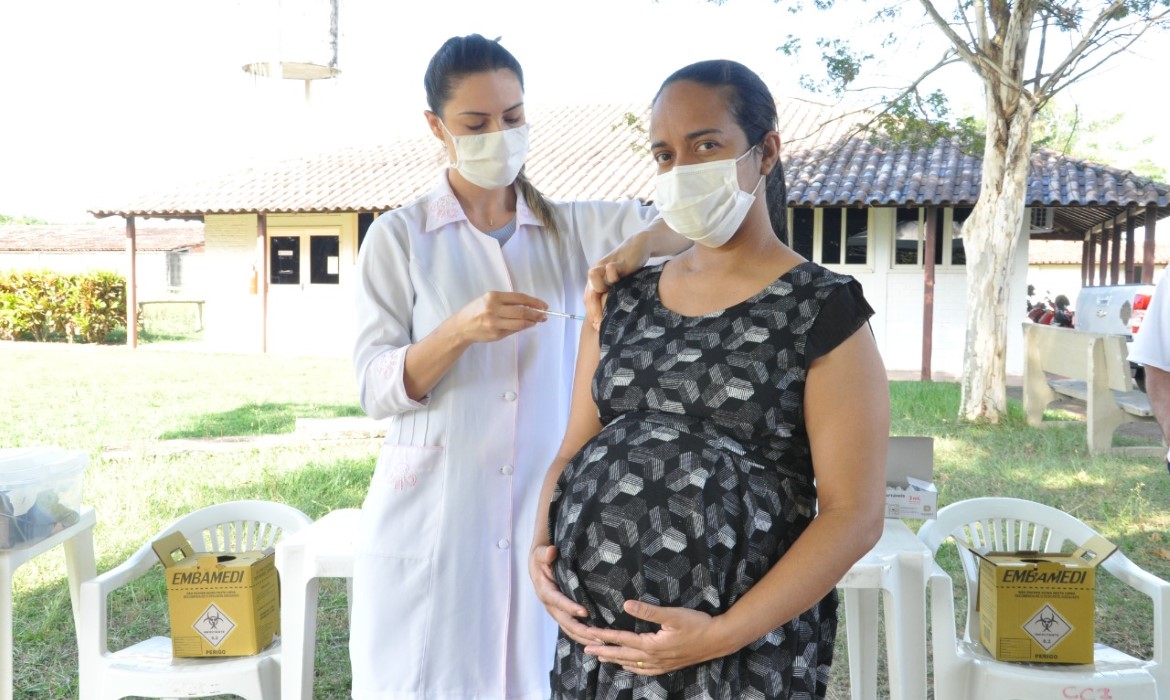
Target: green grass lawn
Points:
(123, 406)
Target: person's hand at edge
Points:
(685, 637)
(657, 239)
(497, 315)
(559, 606)
(627, 258)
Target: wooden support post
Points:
(1148, 245)
(1115, 254)
(1086, 261)
(131, 284)
(1130, 229)
(932, 228)
(1092, 261)
(262, 273)
(1103, 268)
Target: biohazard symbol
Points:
(1047, 627)
(1046, 622)
(214, 625)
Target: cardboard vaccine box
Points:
(220, 604)
(910, 491)
(1038, 607)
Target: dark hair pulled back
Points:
(754, 109)
(461, 56)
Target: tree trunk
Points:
(990, 237)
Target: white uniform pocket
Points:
(403, 509)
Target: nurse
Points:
(454, 345)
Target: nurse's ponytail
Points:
(461, 56)
(537, 202)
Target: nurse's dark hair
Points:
(461, 56)
(754, 109)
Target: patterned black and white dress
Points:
(699, 481)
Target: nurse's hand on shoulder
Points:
(559, 606)
(685, 637)
(497, 315)
(626, 259)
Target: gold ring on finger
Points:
(641, 665)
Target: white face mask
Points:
(703, 202)
(491, 160)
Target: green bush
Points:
(45, 305)
(99, 305)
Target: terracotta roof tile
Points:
(592, 151)
(97, 238)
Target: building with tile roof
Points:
(97, 238)
(866, 208)
(1056, 267)
(168, 259)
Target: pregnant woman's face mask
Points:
(703, 202)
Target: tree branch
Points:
(1087, 40)
(1065, 74)
(987, 67)
(1052, 88)
(1015, 38)
(960, 44)
(966, 23)
(859, 128)
(1040, 53)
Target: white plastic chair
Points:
(964, 669)
(147, 669)
(324, 549)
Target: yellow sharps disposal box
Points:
(220, 604)
(1038, 607)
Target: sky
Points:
(104, 98)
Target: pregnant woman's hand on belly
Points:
(685, 637)
(561, 607)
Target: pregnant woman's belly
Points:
(652, 513)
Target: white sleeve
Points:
(385, 304)
(602, 226)
(1151, 345)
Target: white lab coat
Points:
(1151, 344)
(443, 606)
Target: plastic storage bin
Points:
(40, 493)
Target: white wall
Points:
(151, 268)
(896, 294)
(1054, 280)
(311, 320)
(1064, 279)
(320, 320)
(232, 312)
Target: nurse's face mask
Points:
(491, 160)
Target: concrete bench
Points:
(1088, 367)
(198, 303)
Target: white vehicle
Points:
(1115, 310)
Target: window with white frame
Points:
(910, 226)
(831, 235)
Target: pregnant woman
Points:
(724, 461)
